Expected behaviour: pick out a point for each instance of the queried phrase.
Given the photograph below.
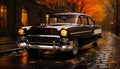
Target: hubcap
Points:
(75, 47)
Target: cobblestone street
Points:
(108, 56)
(105, 56)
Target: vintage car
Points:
(64, 32)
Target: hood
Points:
(46, 30)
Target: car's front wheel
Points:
(75, 46)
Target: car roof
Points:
(69, 13)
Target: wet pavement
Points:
(108, 56)
(105, 56)
(6, 43)
(5, 40)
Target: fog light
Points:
(70, 47)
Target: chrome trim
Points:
(97, 31)
(45, 36)
(26, 27)
(51, 47)
(81, 32)
(43, 46)
(47, 47)
(44, 43)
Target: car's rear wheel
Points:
(75, 47)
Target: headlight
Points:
(64, 32)
(21, 31)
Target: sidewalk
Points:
(6, 40)
(7, 45)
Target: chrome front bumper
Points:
(47, 47)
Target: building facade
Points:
(17, 13)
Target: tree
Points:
(91, 7)
(110, 6)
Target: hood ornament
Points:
(43, 25)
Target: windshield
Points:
(63, 19)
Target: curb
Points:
(10, 50)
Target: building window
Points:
(3, 16)
(24, 17)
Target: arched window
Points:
(3, 16)
(24, 17)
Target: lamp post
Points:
(47, 18)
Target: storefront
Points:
(17, 13)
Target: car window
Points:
(79, 21)
(90, 21)
(53, 20)
(63, 19)
(85, 21)
(67, 20)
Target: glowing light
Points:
(24, 59)
(64, 32)
(24, 18)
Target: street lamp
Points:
(47, 18)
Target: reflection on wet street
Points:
(105, 56)
(109, 54)
(23, 61)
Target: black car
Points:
(64, 32)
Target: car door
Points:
(87, 26)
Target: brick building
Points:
(16, 13)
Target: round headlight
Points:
(21, 31)
(64, 32)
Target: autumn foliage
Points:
(91, 7)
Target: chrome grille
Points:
(43, 40)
